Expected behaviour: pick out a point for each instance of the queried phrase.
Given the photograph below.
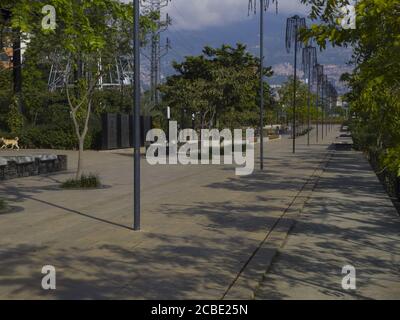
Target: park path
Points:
(349, 220)
(206, 232)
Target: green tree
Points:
(375, 86)
(15, 119)
(220, 86)
(89, 34)
(286, 101)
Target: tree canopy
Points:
(219, 87)
(375, 83)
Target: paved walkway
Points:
(206, 232)
(349, 220)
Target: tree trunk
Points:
(81, 136)
(17, 68)
(80, 158)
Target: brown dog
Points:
(13, 143)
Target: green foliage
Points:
(286, 100)
(375, 88)
(391, 161)
(47, 137)
(113, 100)
(5, 96)
(86, 32)
(88, 23)
(15, 120)
(90, 181)
(3, 205)
(219, 87)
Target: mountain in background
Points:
(191, 42)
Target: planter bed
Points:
(12, 167)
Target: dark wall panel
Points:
(109, 131)
(123, 131)
(118, 131)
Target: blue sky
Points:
(196, 23)
(199, 14)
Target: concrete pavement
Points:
(349, 220)
(207, 234)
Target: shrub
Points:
(53, 137)
(47, 137)
(90, 181)
(15, 119)
(2, 204)
(5, 102)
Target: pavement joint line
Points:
(290, 214)
(321, 170)
(288, 279)
(306, 179)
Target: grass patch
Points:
(90, 181)
(3, 205)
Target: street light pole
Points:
(319, 74)
(309, 63)
(168, 120)
(317, 112)
(136, 123)
(294, 91)
(264, 4)
(293, 25)
(323, 104)
(261, 84)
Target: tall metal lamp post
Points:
(264, 5)
(318, 75)
(309, 62)
(329, 96)
(293, 26)
(324, 86)
(334, 105)
(327, 107)
(136, 123)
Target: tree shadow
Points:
(198, 269)
(21, 194)
(349, 221)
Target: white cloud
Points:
(197, 14)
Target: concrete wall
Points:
(18, 167)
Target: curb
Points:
(245, 284)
